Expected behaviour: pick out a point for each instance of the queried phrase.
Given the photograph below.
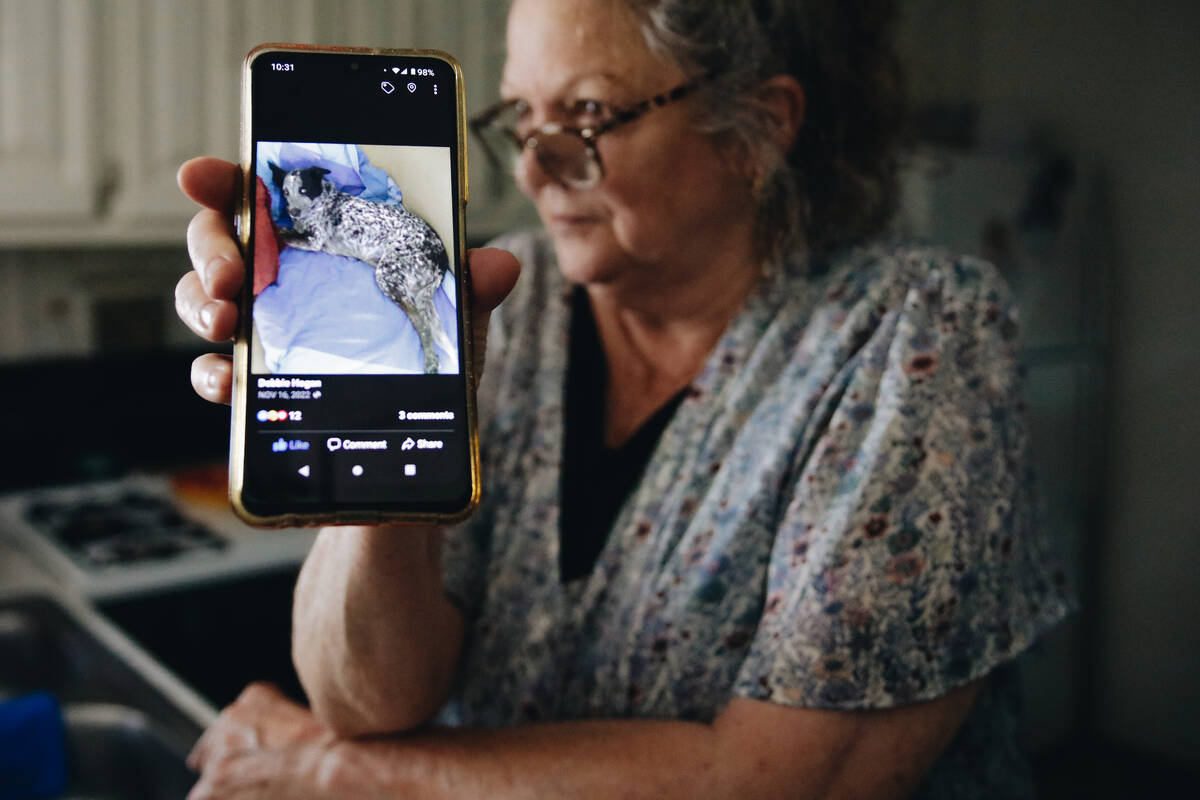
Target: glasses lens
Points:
(562, 154)
(500, 143)
(567, 157)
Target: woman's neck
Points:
(657, 341)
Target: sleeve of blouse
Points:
(908, 560)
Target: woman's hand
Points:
(206, 297)
(261, 746)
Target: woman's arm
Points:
(754, 749)
(374, 638)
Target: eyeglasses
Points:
(567, 154)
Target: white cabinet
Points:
(50, 153)
(101, 100)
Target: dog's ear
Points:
(320, 172)
(277, 174)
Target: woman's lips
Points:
(570, 223)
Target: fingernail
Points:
(210, 380)
(207, 313)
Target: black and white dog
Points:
(407, 254)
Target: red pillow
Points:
(266, 248)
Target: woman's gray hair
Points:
(838, 184)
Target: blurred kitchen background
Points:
(1059, 139)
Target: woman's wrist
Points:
(328, 772)
(364, 770)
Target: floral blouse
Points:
(838, 516)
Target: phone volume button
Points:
(241, 221)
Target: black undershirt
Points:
(596, 479)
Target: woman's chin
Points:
(583, 262)
(586, 274)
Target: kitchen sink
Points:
(129, 724)
(219, 636)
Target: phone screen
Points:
(356, 392)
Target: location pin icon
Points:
(412, 87)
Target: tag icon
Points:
(412, 87)
(387, 87)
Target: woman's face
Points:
(669, 201)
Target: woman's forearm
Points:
(593, 759)
(752, 749)
(374, 637)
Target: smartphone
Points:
(353, 392)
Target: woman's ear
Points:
(782, 100)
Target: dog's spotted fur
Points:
(407, 254)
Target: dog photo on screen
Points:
(360, 281)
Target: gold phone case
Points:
(241, 349)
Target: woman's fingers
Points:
(493, 274)
(215, 255)
(215, 320)
(212, 377)
(211, 182)
(205, 298)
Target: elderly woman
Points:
(757, 519)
